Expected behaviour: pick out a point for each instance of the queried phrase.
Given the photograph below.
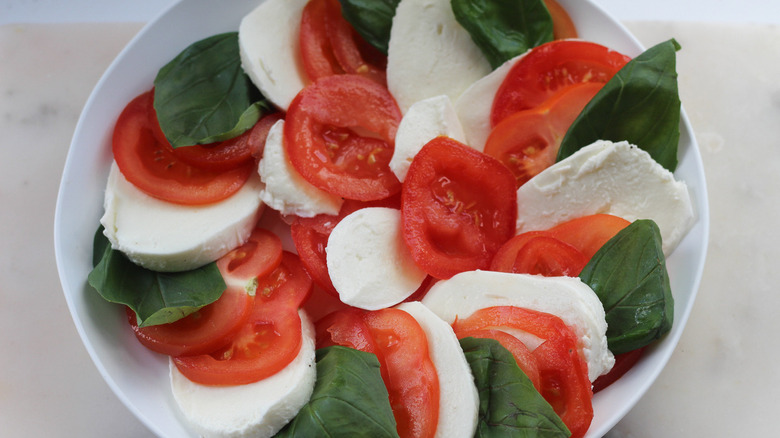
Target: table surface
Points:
(719, 382)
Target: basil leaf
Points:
(503, 29)
(372, 19)
(640, 104)
(155, 297)
(509, 405)
(349, 399)
(203, 96)
(630, 278)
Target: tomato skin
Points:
(623, 363)
(256, 258)
(153, 167)
(563, 26)
(548, 68)
(326, 141)
(401, 347)
(589, 233)
(562, 370)
(527, 141)
(269, 339)
(458, 206)
(232, 153)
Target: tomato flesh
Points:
(527, 141)
(256, 258)
(550, 67)
(589, 233)
(458, 206)
(339, 135)
(563, 26)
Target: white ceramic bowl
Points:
(139, 377)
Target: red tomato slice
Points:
(339, 135)
(329, 44)
(268, 340)
(527, 142)
(256, 258)
(523, 356)
(550, 67)
(154, 168)
(538, 254)
(401, 347)
(232, 153)
(207, 329)
(563, 26)
(623, 363)
(562, 370)
(589, 233)
(458, 206)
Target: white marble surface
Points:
(720, 381)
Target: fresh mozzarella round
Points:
(458, 396)
(565, 297)
(430, 53)
(368, 261)
(284, 188)
(476, 103)
(257, 409)
(168, 237)
(268, 46)
(605, 177)
(425, 120)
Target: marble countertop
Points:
(720, 382)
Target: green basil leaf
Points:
(203, 96)
(155, 297)
(630, 278)
(509, 405)
(349, 399)
(372, 19)
(640, 104)
(503, 29)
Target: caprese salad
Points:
(408, 218)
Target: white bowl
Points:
(139, 377)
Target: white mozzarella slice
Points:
(255, 410)
(168, 237)
(566, 297)
(425, 120)
(284, 189)
(368, 261)
(476, 103)
(430, 53)
(606, 177)
(458, 396)
(269, 49)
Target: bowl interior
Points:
(139, 377)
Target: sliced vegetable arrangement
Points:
(413, 218)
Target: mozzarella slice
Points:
(269, 49)
(258, 409)
(458, 397)
(566, 297)
(425, 120)
(476, 103)
(606, 177)
(284, 188)
(368, 261)
(168, 237)
(430, 53)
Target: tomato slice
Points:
(562, 370)
(589, 233)
(458, 206)
(232, 153)
(538, 254)
(527, 141)
(329, 45)
(209, 328)
(550, 67)
(563, 26)
(256, 258)
(623, 363)
(401, 347)
(339, 135)
(154, 168)
(269, 339)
